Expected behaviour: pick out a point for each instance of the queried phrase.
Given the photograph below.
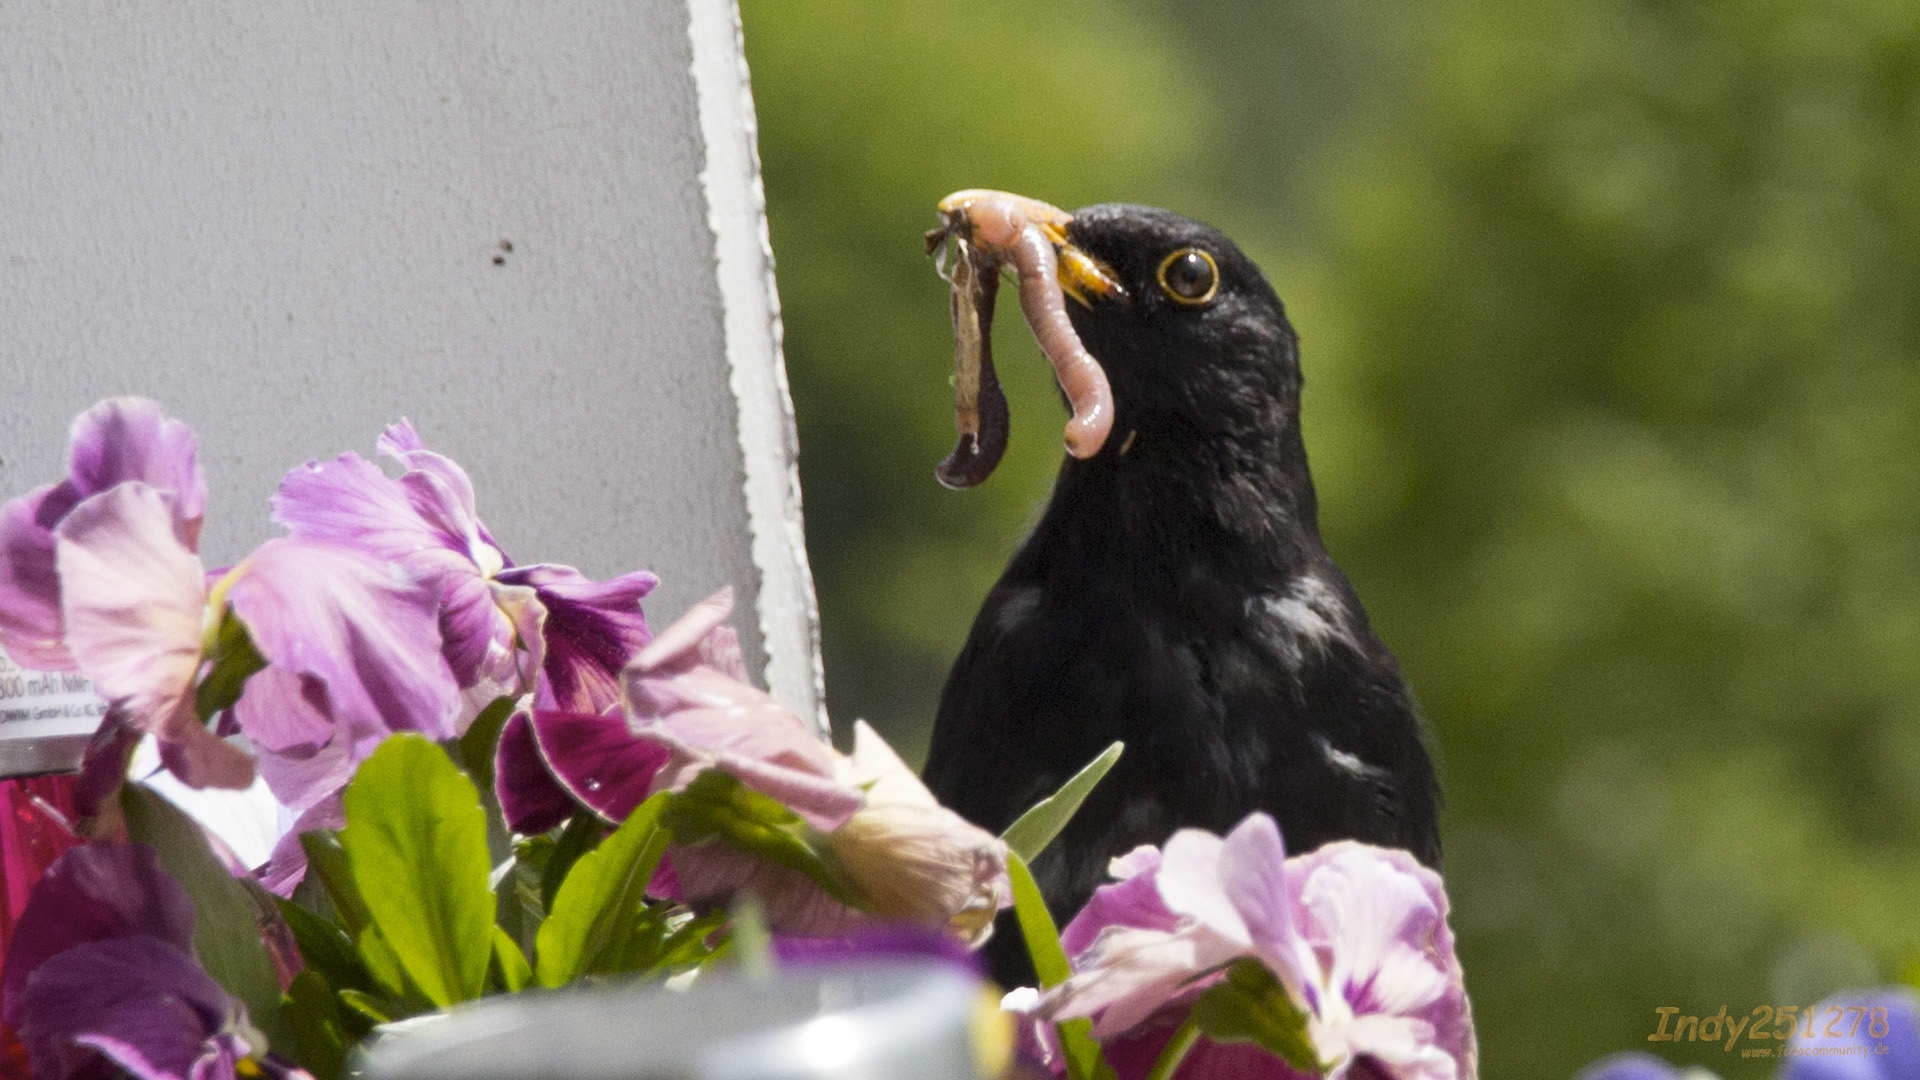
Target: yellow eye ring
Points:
(1189, 276)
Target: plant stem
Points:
(1175, 1051)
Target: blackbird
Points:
(1175, 594)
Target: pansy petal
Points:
(1128, 975)
(103, 768)
(531, 800)
(678, 645)
(1144, 859)
(350, 502)
(132, 599)
(867, 943)
(372, 639)
(912, 859)
(1634, 1065)
(1374, 919)
(765, 747)
(1253, 878)
(479, 635)
(592, 629)
(598, 760)
(1133, 1055)
(1382, 919)
(91, 893)
(711, 874)
(143, 1001)
(117, 441)
(30, 625)
(1191, 884)
(288, 863)
(721, 652)
(201, 759)
(454, 501)
(1134, 902)
(123, 439)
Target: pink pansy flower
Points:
(1357, 935)
(689, 711)
(506, 629)
(118, 441)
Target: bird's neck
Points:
(1156, 493)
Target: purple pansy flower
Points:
(1633, 1065)
(353, 649)
(689, 709)
(506, 629)
(118, 441)
(103, 973)
(910, 859)
(1356, 934)
(1855, 1052)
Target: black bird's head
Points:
(1193, 339)
(1169, 344)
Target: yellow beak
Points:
(1082, 276)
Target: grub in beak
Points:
(988, 229)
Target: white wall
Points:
(287, 221)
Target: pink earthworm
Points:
(1080, 375)
(1002, 228)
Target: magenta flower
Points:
(102, 575)
(1356, 935)
(689, 712)
(904, 856)
(506, 629)
(102, 972)
(118, 441)
(548, 761)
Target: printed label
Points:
(36, 704)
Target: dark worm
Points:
(979, 405)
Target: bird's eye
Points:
(1189, 276)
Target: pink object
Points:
(35, 813)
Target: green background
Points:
(1610, 316)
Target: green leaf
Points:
(687, 944)
(717, 806)
(374, 1008)
(510, 962)
(1250, 1005)
(226, 921)
(234, 661)
(476, 746)
(519, 905)
(327, 859)
(591, 925)
(416, 841)
(389, 975)
(1036, 925)
(580, 835)
(325, 947)
(1083, 1058)
(318, 1028)
(1034, 830)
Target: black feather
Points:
(1176, 595)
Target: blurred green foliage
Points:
(1610, 314)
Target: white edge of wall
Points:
(743, 249)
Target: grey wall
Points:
(287, 221)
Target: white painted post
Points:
(536, 230)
